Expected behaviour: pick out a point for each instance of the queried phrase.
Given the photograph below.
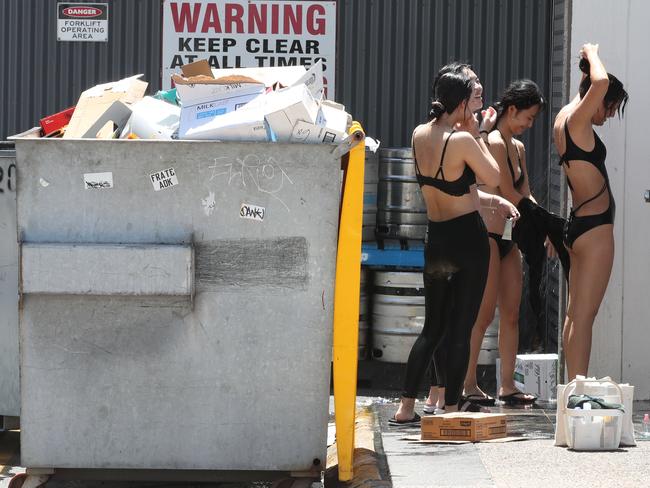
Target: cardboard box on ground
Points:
(464, 426)
(535, 374)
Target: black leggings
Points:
(456, 260)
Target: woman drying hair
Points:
(589, 233)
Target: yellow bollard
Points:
(346, 305)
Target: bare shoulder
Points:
(520, 145)
(419, 130)
(496, 141)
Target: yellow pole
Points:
(346, 306)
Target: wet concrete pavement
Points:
(532, 461)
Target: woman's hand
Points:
(489, 119)
(506, 209)
(588, 50)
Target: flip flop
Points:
(467, 406)
(414, 421)
(432, 410)
(517, 398)
(486, 401)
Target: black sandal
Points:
(414, 421)
(468, 406)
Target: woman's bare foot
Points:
(406, 410)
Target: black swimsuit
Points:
(455, 188)
(505, 245)
(578, 225)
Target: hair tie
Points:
(438, 105)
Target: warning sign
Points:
(163, 179)
(249, 34)
(82, 22)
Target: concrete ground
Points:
(531, 462)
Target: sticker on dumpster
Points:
(163, 179)
(252, 212)
(95, 181)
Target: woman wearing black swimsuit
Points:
(448, 152)
(589, 235)
(517, 109)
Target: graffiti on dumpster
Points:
(264, 174)
(252, 212)
(96, 181)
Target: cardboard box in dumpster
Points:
(284, 108)
(242, 125)
(95, 101)
(270, 76)
(536, 374)
(330, 128)
(55, 122)
(464, 426)
(204, 97)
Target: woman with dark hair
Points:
(449, 152)
(520, 104)
(589, 233)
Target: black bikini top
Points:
(596, 157)
(455, 188)
(522, 177)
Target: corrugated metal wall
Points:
(41, 76)
(389, 51)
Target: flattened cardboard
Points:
(96, 100)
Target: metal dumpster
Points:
(9, 375)
(177, 306)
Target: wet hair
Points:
(616, 94)
(451, 86)
(521, 94)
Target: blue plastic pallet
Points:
(392, 255)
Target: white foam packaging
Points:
(153, 119)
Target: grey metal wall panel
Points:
(41, 76)
(389, 51)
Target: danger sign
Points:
(82, 22)
(163, 179)
(250, 34)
